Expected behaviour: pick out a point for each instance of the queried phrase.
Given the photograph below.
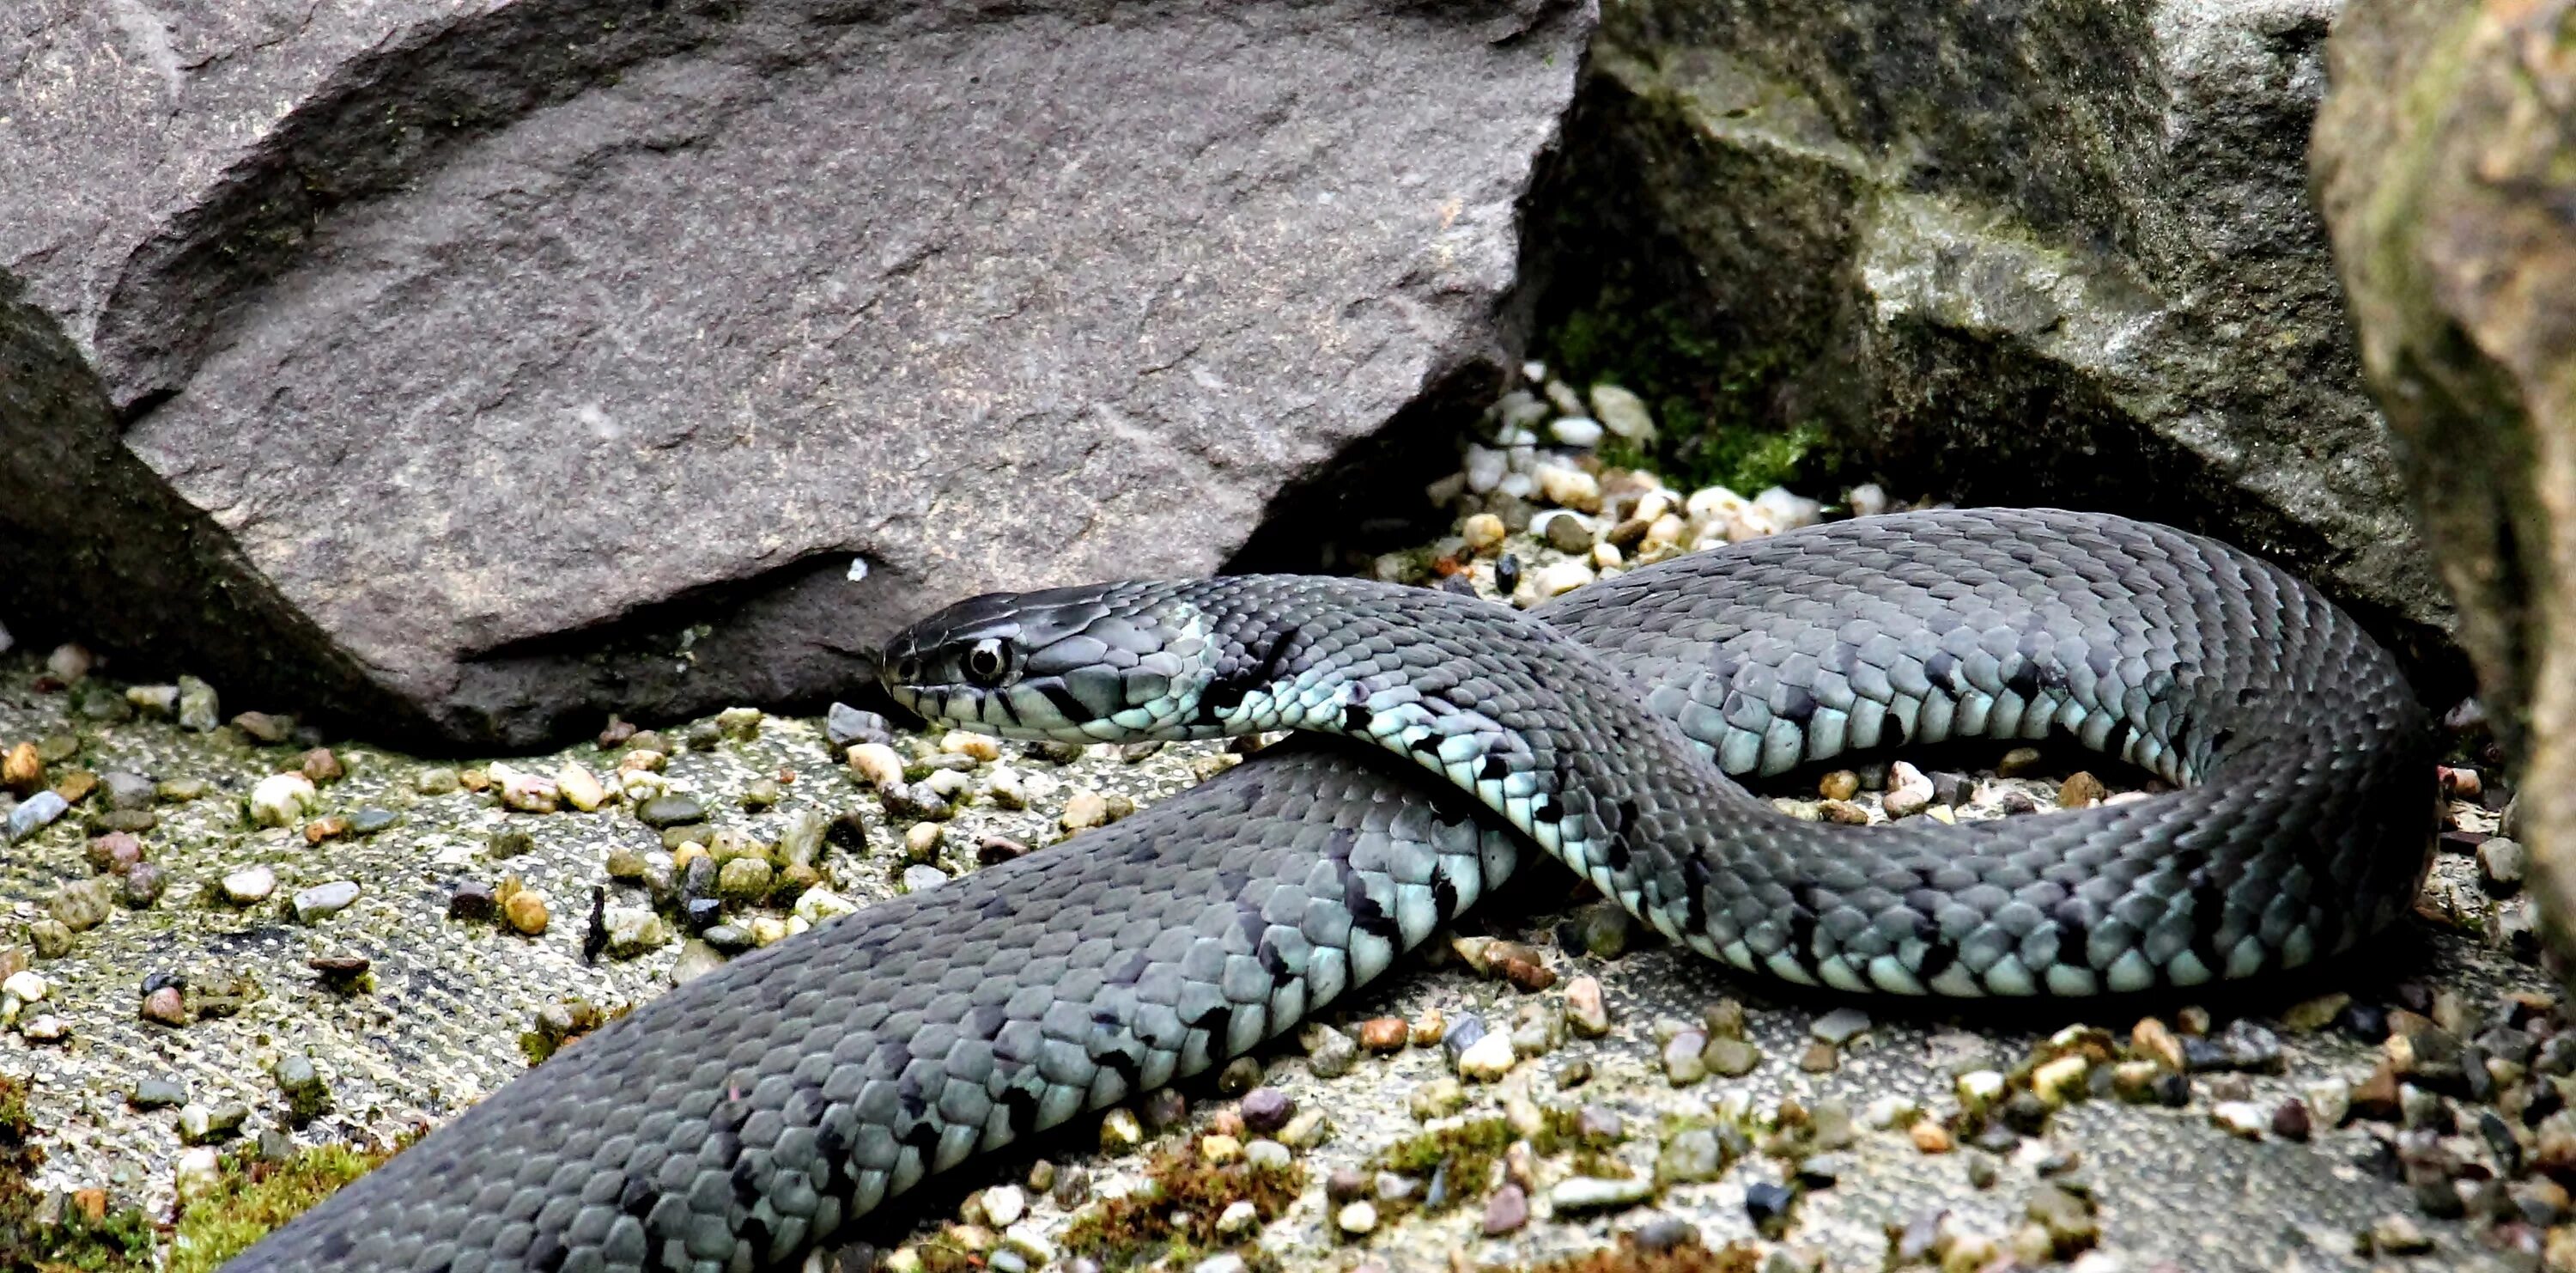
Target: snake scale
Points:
(742, 1118)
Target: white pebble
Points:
(1239, 1217)
(1488, 1058)
(917, 878)
(249, 884)
(1558, 578)
(1517, 485)
(1623, 413)
(877, 765)
(1566, 400)
(1534, 372)
(25, 985)
(1358, 1217)
(1006, 789)
(1866, 500)
(1004, 1205)
(979, 747)
(282, 800)
(1714, 505)
(1483, 532)
(1438, 494)
(1569, 488)
(1484, 469)
(2244, 1118)
(1576, 431)
(818, 904)
(1788, 509)
(1605, 555)
(1519, 409)
(580, 788)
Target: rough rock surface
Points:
(2442, 167)
(2021, 254)
(473, 367)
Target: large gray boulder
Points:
(475, 367)
(2445, 163)
(2015, 253)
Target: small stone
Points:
(1383, 1034)
(321, 768)
(282, 800)
(980, 748)
(1594, 1193)
(1978, 1089)
(663, 812)
(580, 788)
(1622, 413)
(1841, 784)
(369, 819)
(156, 1092)
(2315, 1014)
(143, 883)
(1356, 1217)
(1730, 1057)
(1819, 1058)
(2398, 1235)
(2149, 1036)
(51, 938)
(38, 812)
(1239, 1218)
(1767, 1206)
(1438, 1098)
(165, 1006)
(1085, 809)
(818, 905)
(2060, 1080)
(2242, 1118)
(1681, 1058)
(1558, 578)
(1585, 1010)
(1839, 1026)
(846, 726)
(633, 930)
(1692, 1154)
(2501, 863)
(525, 910)
(745, 879)
(919, 878)
(200, 711)
(1908, 791)
(438, 781)
(1565, 532)
(323, 901)
(1218, 1150)
(84, 905)
(2067, 1218)
(1569, 488)
(471, 899)
(2081, 790)
(2290, 1121)
(1506, 1210)
(1843, 813)
(1119, 1131)
(2330, 1101)
(1930, 1137)
(2018, 762)
(201, 1123)
(264, 729)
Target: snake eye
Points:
(986, 662)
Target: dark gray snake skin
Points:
(748, 1114)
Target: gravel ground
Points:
(1891, 1148)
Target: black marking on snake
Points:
(1276, 964)
(1355, 718)
(1942, 669)
(1796, 704)
(1019, 1110)
(1369, 917)
(1615, 853)
(548, 1252)
(1426, 745)
(746, 1181)
(999, 905)
(1695, 881)
(2022, 679)
(1495, 768)
(755, 1233)
(1546, 809)
(1809, 899)
(2116, 742)
(1226, 693)
(1218, 1021)
(637, 1196)
(1066, 705)
(985, 1021)
(922, 1134)
(1444, 896)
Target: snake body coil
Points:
(735, 1121)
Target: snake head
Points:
(1108, 661)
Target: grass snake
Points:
(736, 1121)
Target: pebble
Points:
(1908, 791)
(282, 800)
(1356, 1217)
(1681, 1058)
(1839, 1026)
(918, 878)
(1595, 1193)
(200, 1123)
(1239, 1218)
(2290, 1121)
(369, 819)
(1585, 1010)
(1767, 1205)
(1266, 1109)
(1438, 1098)
(2242, 1118)
(633, 930)
(1693, 1154)
(847, 726)
(746, 879)
(580, 788)
(38, 812)
(1622, 412)
(2398, 1235)
(471, 899)
(1930, 1137)
(158, 1091)
(1383, 1034)
(1979, 1088)
(663, 812)
(2081, 790)
(525, 910)
(165, 1005)
(200, 710)
(322, 768)
(2060, 1080)
(1730, 1057)
(2501, 863)
(1569, 488)
(323, 901)
(1558, 578)
(2330, 1101)
(1506, 1210)
(1329, 1052)
(85, 904)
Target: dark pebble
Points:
(670, 811)
(648, 740)
(1995, 1138)
(1133, 752)
(340, 971)
(1054, 751)
(369, 819)
(1507, 574)
(165, 1007)
(848, 726)
(1951, 788)
(2556, 1057)
(1267, 1109)
(1347, 1184)
(2290, 1121)
(698, 878)
(615, 733)
(263, 728)
(1767, 1205)
(144, 884)
(702, 914)
(2499, 1138)
(472, 899)
(132, 821)
(157, 980)
(994, 850)
(2026, 1113)
(727, 938)
(509, 842)
(1823, 1171)
(2172, 1091)
(1164, 1109)
(2381, 1160)
(2437, 1198)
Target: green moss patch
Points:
(1176, 1214)
(253, 1197)
(86, 1237)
